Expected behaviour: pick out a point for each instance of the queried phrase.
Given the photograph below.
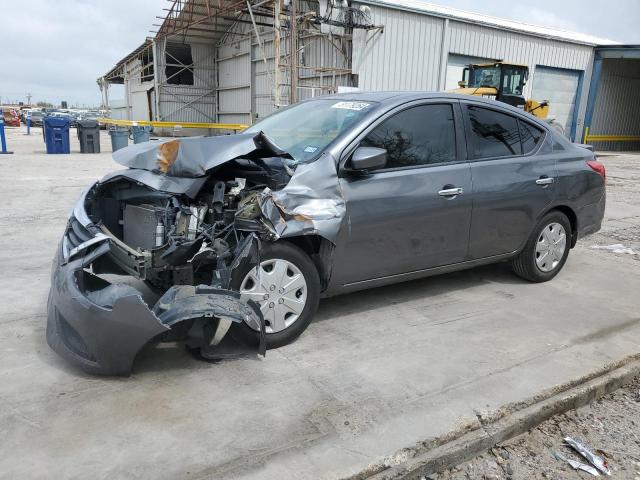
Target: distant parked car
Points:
(95, 116)
(11, 118)
(65, 115)
(37, 117)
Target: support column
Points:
(593, 92)
(293, 55)
(156, 89)
(276, 54)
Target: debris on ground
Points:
(610, 427)
(616, 248)
(594, 459)
(576, 465)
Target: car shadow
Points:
(172, 356)
(163, 357)
(368, 300)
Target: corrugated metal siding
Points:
(263, 73)
(409, 54)
(189, 103)
(317, 51)
(424, 8)
(234, 79)
(136, 92)
(467, 39)
(244, 67)
(405, 57)
(617, 109)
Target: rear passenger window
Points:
(419, 135)
(494, 134)
(531, 136)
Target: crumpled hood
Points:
(195, 156)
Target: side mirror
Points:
(462, 84)
(368, 158)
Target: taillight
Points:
(596, 166)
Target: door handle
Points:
(450, 192)
(544, 181)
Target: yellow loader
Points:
(503, 82)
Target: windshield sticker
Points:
(357, 106)
(310, 149)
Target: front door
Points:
(415, 213)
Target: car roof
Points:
(393, 98)
(400, 96)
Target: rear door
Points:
(513, 173)
(407, 216)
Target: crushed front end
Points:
(184, 218)
(185, 237)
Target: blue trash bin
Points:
(56, 134)
(140, 134)
(119, 138)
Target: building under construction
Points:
(231, 62)
(223, 61)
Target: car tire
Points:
(530, 262)
(279, 253)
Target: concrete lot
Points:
(376, 372)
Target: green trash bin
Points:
(119, 138)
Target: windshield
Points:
(485, 77)
(305, 129)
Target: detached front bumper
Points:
(101, 327)
(99, 339)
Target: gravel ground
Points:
(623, 178)
(609, 427)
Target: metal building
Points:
(613, 111)
(230, 61)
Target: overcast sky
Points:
(55, 49)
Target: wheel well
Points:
(573, 220)
(320, 250)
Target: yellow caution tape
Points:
(144, 123)
(612, 138)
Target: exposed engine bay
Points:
(186, 241)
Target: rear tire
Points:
(541, 259)
(281, 253)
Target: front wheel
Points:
(546, 250)
(286, 286)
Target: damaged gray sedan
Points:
(245, 233)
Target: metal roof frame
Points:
(115, 75)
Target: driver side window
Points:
(420, 135)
